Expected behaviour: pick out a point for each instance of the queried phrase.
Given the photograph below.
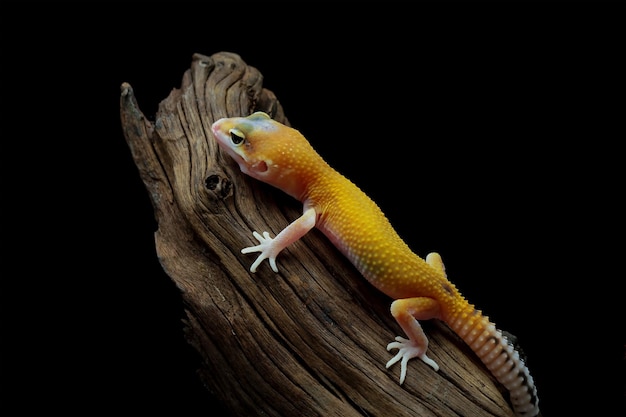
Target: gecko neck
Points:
(314, 180)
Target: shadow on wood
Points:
(309, 340)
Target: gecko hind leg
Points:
(406, 312)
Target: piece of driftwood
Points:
(308, 341)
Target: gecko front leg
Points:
(271, 247)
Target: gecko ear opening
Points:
(260, 167)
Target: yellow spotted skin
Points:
(360, 230)
(280, 156)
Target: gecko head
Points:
(263, 148)
(236, 136)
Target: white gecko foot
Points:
(407, 349)
(267, 249)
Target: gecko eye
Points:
(236, 136)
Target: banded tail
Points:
(499, 355)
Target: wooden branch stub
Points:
(309, 340)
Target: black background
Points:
(489, 133)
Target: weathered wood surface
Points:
(308, 341)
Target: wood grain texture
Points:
(308, 341)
